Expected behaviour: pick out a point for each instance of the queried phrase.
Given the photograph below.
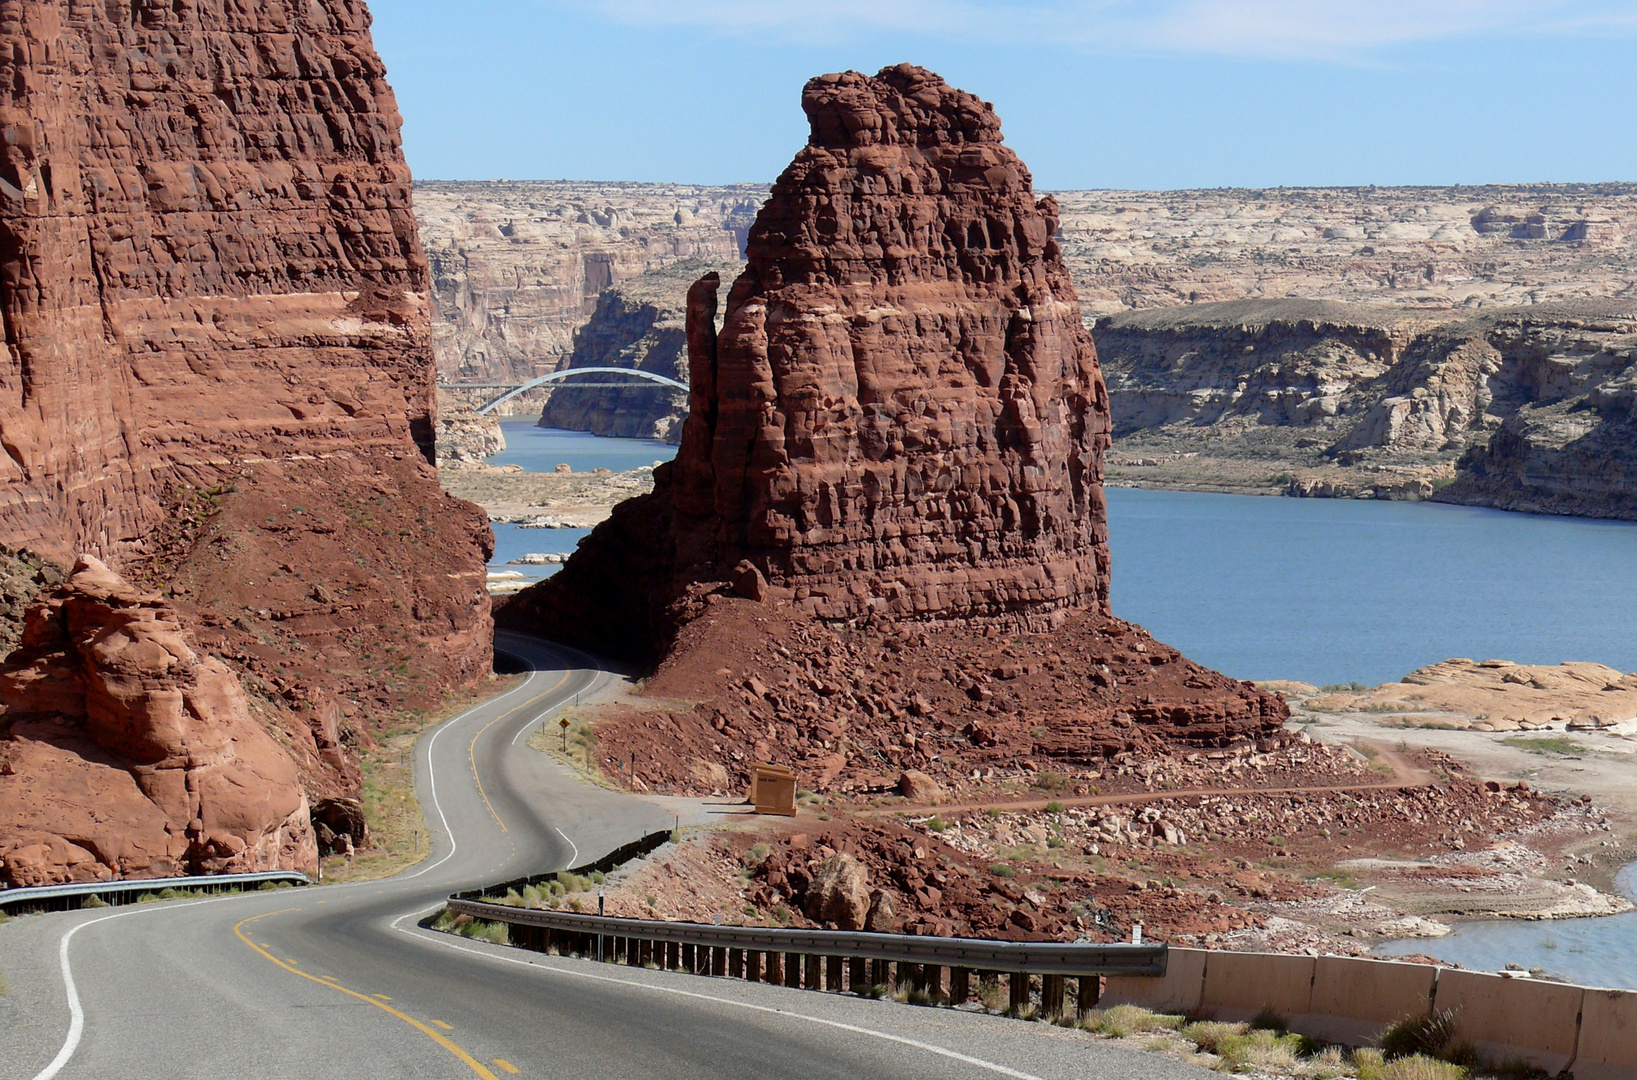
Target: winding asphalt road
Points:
(339, 981)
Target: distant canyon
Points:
(1471, 344)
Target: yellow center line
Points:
(505, 1066)
(444, 1026)
(438, 1037)
(471, 755)
(471, 750)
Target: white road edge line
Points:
(954, 1055)
(432, 777)
(574, 858)
(76, 1014)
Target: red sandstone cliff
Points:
(901, 421)
(902, 414)
(218, 374)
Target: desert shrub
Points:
(1268, 1020)
(1001, 870)
(1055, 807)
(936, 823)
(1209, 1035)
(497, 933)
(1428, 1035)
(1123, 1020)
(1415, 1067)
(1259, 1049)
(1052, 781)
(1329, 1064)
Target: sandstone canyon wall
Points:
(517, 267)
(1194, 275)
(902, 413)
(1518, 407)
(882, 545)
(218, 379)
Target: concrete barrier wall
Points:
(1178, 992)
(1608, 1036)
(1513, 1018)
(1239, 985)
(1351, 1000)
(1354, 999)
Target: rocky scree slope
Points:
(1525, 408)
(218, 376)
(901, 421)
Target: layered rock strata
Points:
(902, 413)
(216, 304)
(884, 530)
(1525, 408)
(518, 266)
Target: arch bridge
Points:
(513, 389)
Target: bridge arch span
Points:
(558, 376)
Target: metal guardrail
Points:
(128, 890)
(831, 960)
(636, 849)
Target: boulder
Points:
(883, 916)
(920, 788)
(138, 756)
(839, 893)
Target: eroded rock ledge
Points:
(130, 754)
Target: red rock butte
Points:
(902, 413)
(218, 386)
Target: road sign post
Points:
(563, 723)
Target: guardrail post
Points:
(932, 980)
(1020, 992)
(1091, 992)
(832, 974)
(753, 965)
(736, 963)
(673, 955)
(960, 985)
(880, 973)
(856, 978)
(775, 968)
(813, 978)
(687, 959)
(719, 961)
(1051, 996)
(792, 970)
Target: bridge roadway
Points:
(338, 981)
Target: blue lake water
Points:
(512, 542)
(1594, 952)
(1321, 590)
(1336, 590)
(540, 449)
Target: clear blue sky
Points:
(1092, 93)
